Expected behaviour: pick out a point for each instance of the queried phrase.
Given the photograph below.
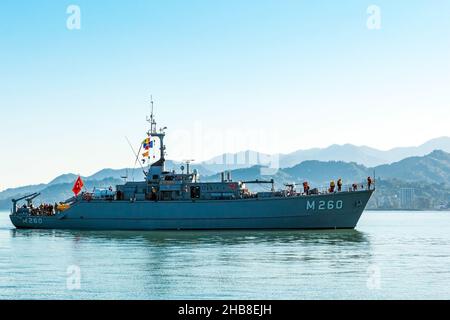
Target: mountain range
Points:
(432, 169)
(367, 156)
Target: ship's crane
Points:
(28, 198)
(271, 181)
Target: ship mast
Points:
(151, 119)
(158, 166)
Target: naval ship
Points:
(169, 200)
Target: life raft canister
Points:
(62, 207)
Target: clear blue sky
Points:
(274, 76)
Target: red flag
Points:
(78, 186)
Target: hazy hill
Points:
(429, 171)
(347, 153)
(21, 190)
(432, 168)
(232, 161)
(396, 154)
(320, 172)
(367, 156)
(64, 178)
(52, 193)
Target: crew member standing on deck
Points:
(369, 182)
(306, 187)
(339, 184)
(332, 186)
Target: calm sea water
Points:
(391, 255)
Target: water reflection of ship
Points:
(229, 237)
(170, 264)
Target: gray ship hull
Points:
(327, 211)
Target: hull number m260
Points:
(32, 220)
(324, 205)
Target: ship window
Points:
(155, 177)
(195, 192)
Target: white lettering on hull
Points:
(32, 220)
(324, 205)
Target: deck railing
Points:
(325, 189)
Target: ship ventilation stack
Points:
(222, 176)
(229, 176)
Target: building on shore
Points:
(407, 198)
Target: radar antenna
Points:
(151, 119)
